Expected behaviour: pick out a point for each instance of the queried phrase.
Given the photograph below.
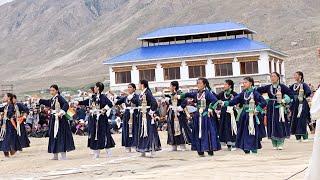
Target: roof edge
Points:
(191, 34)
(213, 54)
(185, 25)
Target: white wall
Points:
(263, 63)
(263, 68)
(134, 75)
(159, 73)
(112, 76)
(184, 71)
(236, 67)
(210, 70)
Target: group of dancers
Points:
(13, 135)
(237, 120)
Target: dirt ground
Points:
(34, 163)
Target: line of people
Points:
(238, 120)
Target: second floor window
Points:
(171, 73)
(123, 77)
(270, 67)
(249, 67)
(223, 69)
(197, 71)
(147, 74)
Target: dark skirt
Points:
(209, 140)
(0, 140)
(276, 130)
(299, 125)
(127, 140)
(261, 127)
(64, 140)
(11, 140)
(245, 141)
(23, 139)
(152, 141)
(185, 136)
(104, 139)
(225, 131)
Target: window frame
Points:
(151, 74)
(202, 71)
(280, 67)
(254, 66)
(170, 70)
(218, 67)
(270, 67)
(127, 77)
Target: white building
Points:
(217, 51)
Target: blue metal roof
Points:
(194, 49)
(194, 30)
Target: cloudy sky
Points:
(4, 1)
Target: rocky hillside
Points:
(65, 41)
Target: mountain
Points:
(4, 1)
(65, 41)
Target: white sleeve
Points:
(108, 112)
(107, 107)
(151, 112)
(115, 101)
(62, 112)
(130, 97)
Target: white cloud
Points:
(4, 1)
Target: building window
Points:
(270, 67)
(197, 71)
(123, 77)
(275, 66)
(280, 67)
(223, 69)
(147, 74)
(249, 67)
(171, 73)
